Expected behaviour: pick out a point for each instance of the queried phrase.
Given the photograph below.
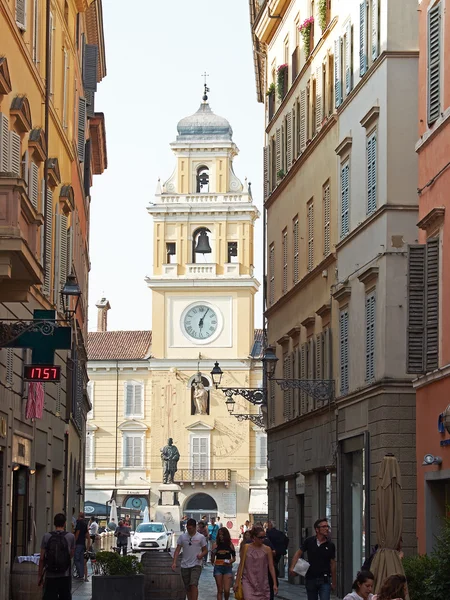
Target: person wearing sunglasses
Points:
(256, 561)
(320, 578)
(195, 548)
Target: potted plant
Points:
(280, 174)
(270, 89)
(120, 577)
(322, 14)
(282, 81)
(305, 32)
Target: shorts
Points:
(191, 575)
(223, 570)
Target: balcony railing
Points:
(202, 198)
(203, 475)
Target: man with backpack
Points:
(280, 542)
(57, 550)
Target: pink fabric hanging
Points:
(35, 402)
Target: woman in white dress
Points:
(362, 587)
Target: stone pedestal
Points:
(168, 510)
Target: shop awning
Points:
(98, 496)
(258, 502)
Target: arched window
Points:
(202, 180)
(201, 245)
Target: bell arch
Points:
(202, 180)
(201, 244)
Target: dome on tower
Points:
(204, 125)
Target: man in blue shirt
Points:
(213, 528)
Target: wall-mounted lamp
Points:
(32, 471)
(16, 467)
(429, 459)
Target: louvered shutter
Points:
(375, 42)
(310, 236)
(302, 120)
(81, 128)
(21, 14)
(65, 81)
(51, 54)
(87, 168)
(318, 115)
(10, 366)
(129, 399)
(272, 393)
(319, 356)
(36, 31)
(362, 38)
(138, 454)
(90, 60)
(89, 451)
(139, 399)
(34, 184)
(296, 250)
(15, 153)
(25, 170)
(69, 249)
(262, 451)
(344, 351)
(278, 150)
(266, 164)
(348, 58)
(337, 73)
(434, 63)
(61, 221)
(370, 337)
(288, 141)
(303, 395)
(326, 220)
(345, 199)
(372, 173)
(272, 274)
(4, 143)
(48, 241)
(128, 450)
(327, 349)
(432, 305)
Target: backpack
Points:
(57, 555)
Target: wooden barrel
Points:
(161, 583)
(24, 582)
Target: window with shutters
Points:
(9, 367)
(285, 261)
(50, 51)
(133, 449)
(271, 274)
(261, 450)
(310, 229)
(319, 97)
(81, 128)
(266, 172)
(4, 143)
(48, 241)
(60, 258)
(65, 86)
(314, 127)
(345, 199)
(296, 239)
(326, 219)
(15, 153)
(319, 345)
(134, 399)
(90, 393)
(33, 185)
(337, 73)
(36, 32)
(369, 34)
(370, 336)
(302, 121)
(347, 58)
(200, 452)
(273, 164)
(288, 142)
(343, 351)
(90, 449)
(434, 32)
(371, 158)
(287, 394)
(21, 14)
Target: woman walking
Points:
(256, 560)
(223, 556)
(362, 587)
(394, 588)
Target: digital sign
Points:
(42, 372)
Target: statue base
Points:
(168, 494)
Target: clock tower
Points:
(203, 288)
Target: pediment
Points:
(36, 142)
(54, 175)
(67, 199)
(133, 425)
(5, 80)
(20, 108)
(199, 426)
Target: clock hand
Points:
(200, 323)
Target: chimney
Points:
(103, 306)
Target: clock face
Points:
(200, 322)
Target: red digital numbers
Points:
(42, 373)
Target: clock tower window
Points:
(232, 252)
(171, 253)
(202, 180)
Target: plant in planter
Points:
(280, 174)
(322, 14)
(282, 83)
(120, 577)
(270, 89)
(305, 32)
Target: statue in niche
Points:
(200, 398)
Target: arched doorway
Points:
(199, 505)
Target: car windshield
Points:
(150, 528)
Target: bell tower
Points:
(202, 282)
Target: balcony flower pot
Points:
(282, 81)
(120, 577)
(305, 32)
(322, 14)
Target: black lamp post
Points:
(70, 290)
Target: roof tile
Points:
(119, 345)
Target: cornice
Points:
(284, 340)
(433, 219)
(309, 322)
(344, 146)
(342, 294)
(370, 117)
(324, 310)
(369, 276)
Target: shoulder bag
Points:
(239, 593)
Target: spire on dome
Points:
(206, 88)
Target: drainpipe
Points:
(48, 34)
(117, 427)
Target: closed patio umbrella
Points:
(113, 512)
(389, 522)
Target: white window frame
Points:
(200, 435)
(133, 414)
(90, 455)
(133, 434)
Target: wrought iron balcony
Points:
(203, 475)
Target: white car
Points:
(151, 536)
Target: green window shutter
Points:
(345, 199)
(348, 58)
(434, 63)
(370, 337)
(343, 351)
(81, 128)
(278, 150)
(432, 305)
(362, 38)
(48, 216)
(266, 163)
(375, 32)
(288, 141)
(337, 73)
(15, 153)
(302, 120)
(372, 173)
(415, 340)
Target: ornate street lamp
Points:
(70, 290)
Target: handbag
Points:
(239, 593)
(301, 567)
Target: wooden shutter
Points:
(348, 58)
(327, 352)
(15, 153)
(310, 236)
(48, 215)
(319, 356)
(81, 128)
(296, 250)
(272, 274)
(434, 63)
(128, 450)
(432, 305)
(25, 169)
(318, 115)
(139, 399)
(311, 367)
(326, 220)
(36, 31)
(69, 249)
(87, 168)
(61, 256)
(90, 61)
(10, 366)
(89, 451)
(266, 163)
(129, 399)
(375, 36)
(345, 199)
(302, 120)
(337, 73)
(138, 450)
(370, 337)
(65, 81)
(262, 438)
(303, 395)
(278, 150)
(372, 173)
(343, 350)
(288, 141)
(362, 38)
(272, 393)
(4, 143)
(21, 14)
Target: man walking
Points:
(57, 550)
(213, 528)
(93, 530)
(122, 533)
(280, 542)
(320, 578)
(81, 537)
(194, 548)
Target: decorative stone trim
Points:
(345, 146)
(294, 332)
(5, 80)
(324, 310)
(20, 108)
(309, 322)
(54, 175)
(67, 199)
(284, 340)
(432, 220)
(370, 117)
(36, 143)
(369, 276)
(342, 294)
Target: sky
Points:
(156, 53)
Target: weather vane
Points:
(206, 90)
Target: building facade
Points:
(428, 292)
(203, 290)
(51, 144)
(339, 80)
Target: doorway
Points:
(437, 507)
(19, 528)
(200, 505)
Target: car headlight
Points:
(161, 537)
(136, 539)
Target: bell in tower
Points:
(202, 242)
